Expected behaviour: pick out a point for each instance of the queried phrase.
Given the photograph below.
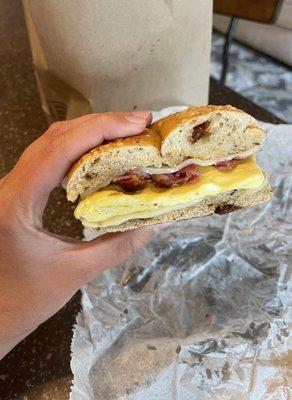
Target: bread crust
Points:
(147, 138)
(236, 199)
(165, 126)
(229, 131)
(104, 162)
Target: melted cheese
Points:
(110, 206)
(189, 161)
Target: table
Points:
(38, 368)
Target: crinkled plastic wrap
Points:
(202, 312)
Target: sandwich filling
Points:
(137, 194)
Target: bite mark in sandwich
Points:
(194, 163)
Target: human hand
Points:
(40, 271)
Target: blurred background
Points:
(251, 53)
(253, 40)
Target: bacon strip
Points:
(137, 179)
(226, 165)
(199, 131)
(133, 180)
(188, 174)
(226, 209)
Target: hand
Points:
(39, 271)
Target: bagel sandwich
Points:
(194, 163)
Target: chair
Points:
(264, 11)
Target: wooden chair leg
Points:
(225, 54)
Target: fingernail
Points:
(137, 117)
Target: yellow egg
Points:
(112, 207)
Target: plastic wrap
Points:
(202, 312)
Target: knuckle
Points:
(50, 140)
(110, 115)
(27, 154)
(115, 116)
(53, 138)
(55, 127)
(129, 246)
(124, 248)
(54, 144)
(102, 117)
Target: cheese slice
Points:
(169, 170)
(111, 207)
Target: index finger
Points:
(46, 161)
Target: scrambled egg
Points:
(110, 206)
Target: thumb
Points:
(46, 161)
(89, 259)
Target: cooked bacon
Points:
(137, 179)
(226, 209)
(199, 131)
(188, 174)
(132, 180)
(226, 165)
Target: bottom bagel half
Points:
(113, 210)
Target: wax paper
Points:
(203, 311)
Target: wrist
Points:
(14, 327)
(7, 343)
